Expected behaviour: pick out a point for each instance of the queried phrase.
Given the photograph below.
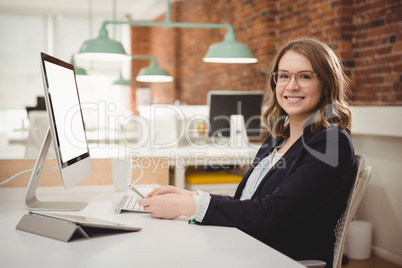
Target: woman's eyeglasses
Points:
(303, 79)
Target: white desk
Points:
(161, 243)
(181, 157)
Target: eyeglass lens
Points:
(303, 79)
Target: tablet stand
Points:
(51, 228)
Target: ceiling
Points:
(133, 9)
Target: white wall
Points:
(378, 135)
(24, 36)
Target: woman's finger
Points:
(154, 192)
(144, 202)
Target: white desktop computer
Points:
(66, 129)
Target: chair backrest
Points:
(360, 185)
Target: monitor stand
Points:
(31, 202)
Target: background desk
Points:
(181, 157)
(161, 243)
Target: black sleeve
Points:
(306, 188)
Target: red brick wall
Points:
(366, 34)
(163, 47)
(377, 50)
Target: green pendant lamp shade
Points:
(153, 73)
(102, 48)
(78, 70)
(150, 74)
(229, 51)
(122, 82)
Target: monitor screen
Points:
(223, 104)
(65, 119)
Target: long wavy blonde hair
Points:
(333, 109)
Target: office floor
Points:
(373, 262)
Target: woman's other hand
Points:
(169, 190)
(169, 206)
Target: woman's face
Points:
(299, 102)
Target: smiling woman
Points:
(299, 69)
(297, 188)
(302, 93)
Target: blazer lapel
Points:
(288, 159)
(266, 148)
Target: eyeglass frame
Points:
(315, 75)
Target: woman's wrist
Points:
(189, 208)
(188, 192)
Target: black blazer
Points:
(297, 204)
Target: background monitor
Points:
(66, 129)
(223, 104)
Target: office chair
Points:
(360, 185)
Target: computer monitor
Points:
(66, 129)
(223, 104)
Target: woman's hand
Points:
(169, 206)
(169, 190)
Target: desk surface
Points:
(161, 243)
